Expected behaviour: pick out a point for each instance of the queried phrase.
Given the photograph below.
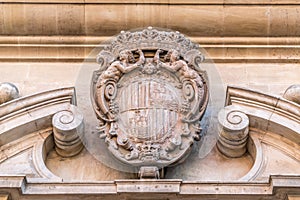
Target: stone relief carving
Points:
(292, 93)
(233, 131)
(67, 129)
(8, 92)
(149, 96)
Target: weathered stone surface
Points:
(293, 93)
(64, 48)
(244, 33)
(266, 62)
(149, 172)
(35, 77)
(110, 18)
(200, 181)
(149, 108)
(8, 92)
(68, 130)
(83, 167)
(33, 113)
(233, 133)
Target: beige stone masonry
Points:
(29, 166)
(193, 2)
(229, 30)
(102, 19)
(254, 44)
(219, 49)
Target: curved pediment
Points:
(267, 113)
(32, 113)
(32, 155)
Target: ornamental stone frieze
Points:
(149, 95)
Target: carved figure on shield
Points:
(122, 66)
(179, 66)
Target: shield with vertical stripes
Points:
(148, 109)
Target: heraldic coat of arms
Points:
(149, 96)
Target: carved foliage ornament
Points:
(149, 96)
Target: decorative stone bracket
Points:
(68, 126)
(233, 132)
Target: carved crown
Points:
(150, 38)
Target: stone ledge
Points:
(96, 40)
(219, 49)
(280, 184)
(148, 186)
(226, 18)
(182, 2)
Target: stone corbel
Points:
(68, 127)
(150, 172)
(233, 132)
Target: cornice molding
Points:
(277, 185)
(219, 49)
(169, 2)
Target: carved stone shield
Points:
(149, 96)
(150, 112)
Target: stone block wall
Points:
(252, 43)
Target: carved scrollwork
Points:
(188, 90)
(67, 128)
(194, 59)
(233, 131)
(110, 90)
(233, 120)
(150, 98)
(104, 58)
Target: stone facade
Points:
(249, 147)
